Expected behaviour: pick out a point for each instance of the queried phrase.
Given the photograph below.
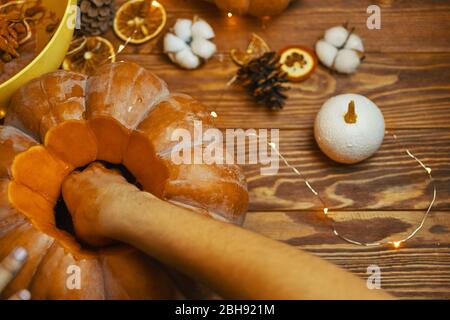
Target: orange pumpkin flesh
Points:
(81, 120)
(73, 142)
(34, 193)
(48, 179)
(153, 176)
(112, 138)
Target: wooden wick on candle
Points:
(350, 116)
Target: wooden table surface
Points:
(406, 73)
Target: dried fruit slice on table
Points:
(298, 62)
(138, 21)
(87, 54)
(256, 48)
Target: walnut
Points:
(14, 31)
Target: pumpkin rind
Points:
(123, 115)
(123, 91)
(47, 101)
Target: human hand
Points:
(9, 268)
(89, 196)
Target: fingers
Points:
(21, 295)
(11, 265)
(82, 193)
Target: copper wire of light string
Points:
(326, 210)
(396, 243)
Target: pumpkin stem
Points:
(350, 116)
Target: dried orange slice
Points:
(256, 48)
(87, 54)
(76, 45)
(298, 62)
(138, 21)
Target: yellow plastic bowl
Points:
(49, 59)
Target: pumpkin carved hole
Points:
(63, 218)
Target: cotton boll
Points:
(347, 61)
(202, 29)
(203, 48)
(340, 50)
(354, 42)
(187, 59)
(173, 44)
(326, 53)
(182, 29)
(336, 36)
(187, 43)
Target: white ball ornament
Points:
(340, 50)
(188, 44)
(349, 128)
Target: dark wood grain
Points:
(390, 180)
(412, 90)
(420, 268)
(305, 21)
(406, 72)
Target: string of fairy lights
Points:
(325, 209)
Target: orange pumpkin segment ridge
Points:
(34, 206)
(36, 243)
(142, 161)
(12, 142)
(73, 142)
(40, 171)
(120, 282)
(51, 280)
(112, 138)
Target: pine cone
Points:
(96, 16)
(263, 79)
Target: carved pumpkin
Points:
(257, 8)
(121, 115)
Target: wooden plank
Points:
(311, 229)
(412, 90)
(390, 180)
(415, 27)
(420, 268)
(309, 6)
